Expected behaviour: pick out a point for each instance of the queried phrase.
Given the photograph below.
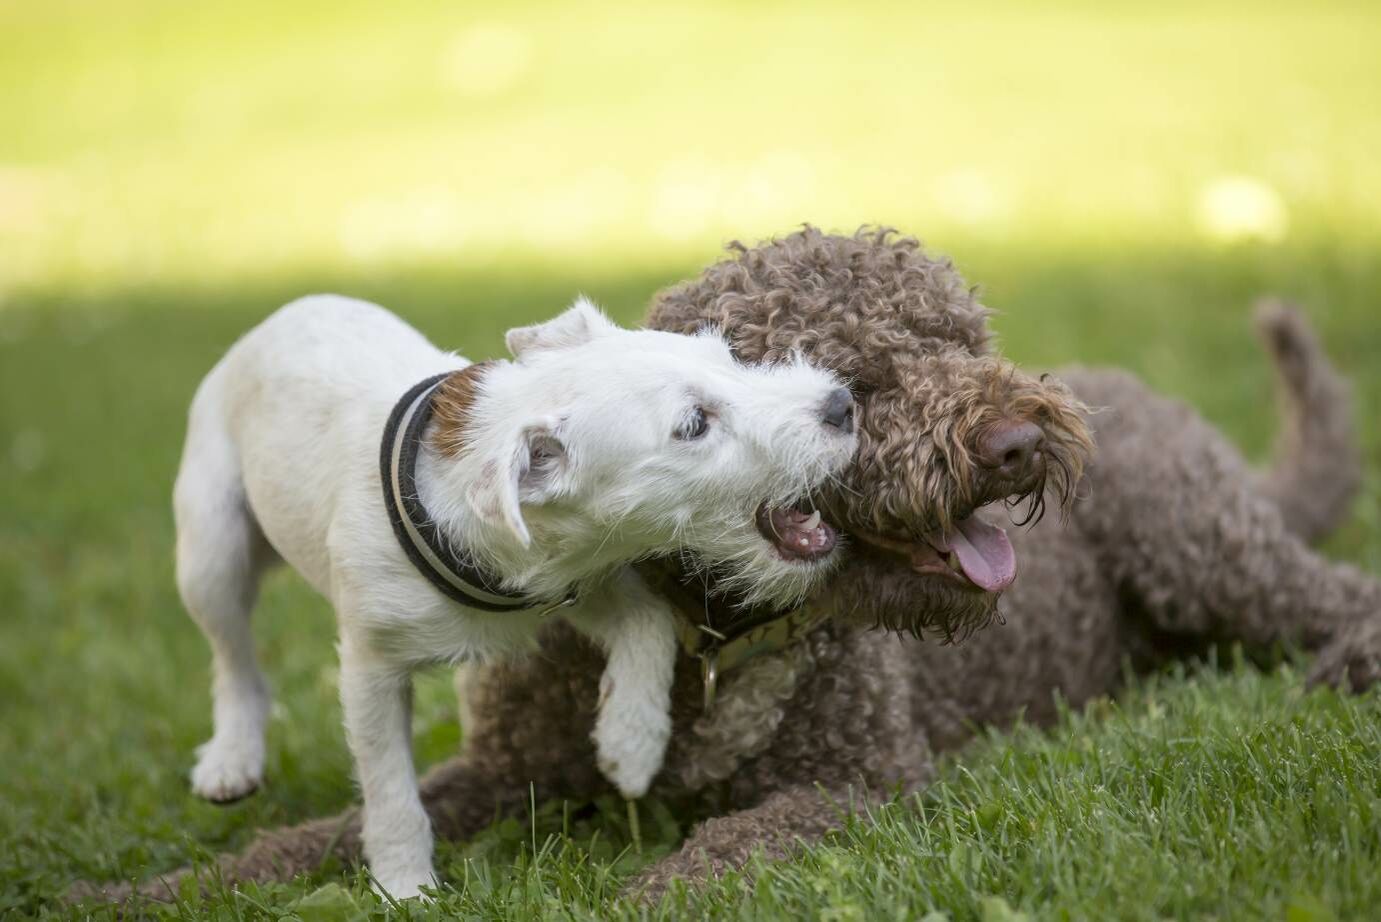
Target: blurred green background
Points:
(152, 141)
(1120, 179)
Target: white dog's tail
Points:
(1316, 471)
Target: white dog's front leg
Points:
(377, 700)
(637, 629)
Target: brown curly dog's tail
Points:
(1316, 471)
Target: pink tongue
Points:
(985, 554)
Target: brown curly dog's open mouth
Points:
(972, 553)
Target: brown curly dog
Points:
(1167, 542)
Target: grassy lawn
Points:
(1229, 794)
(1122, 181)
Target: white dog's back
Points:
(294, 400)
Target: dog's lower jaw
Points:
(870, 591)
(748, 587)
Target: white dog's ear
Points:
(578, 324)
(531, 472)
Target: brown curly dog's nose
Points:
(1011, 451)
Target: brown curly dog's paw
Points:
(1351, 661)
(652, 883)
(92, 893)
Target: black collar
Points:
(453, 572)
(718, 618)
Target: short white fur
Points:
(570, 472)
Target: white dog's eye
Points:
(696, 425)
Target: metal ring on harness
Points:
(709, 677)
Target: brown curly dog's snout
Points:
(1010, 454)
(1010, 451)
(957, 432)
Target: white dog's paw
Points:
(404, 884)
(227, 771)
(630, 743)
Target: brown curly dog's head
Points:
(945, 426)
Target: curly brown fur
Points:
(913, 341)
(1319, 465)
(1171, 542)
(774, 829)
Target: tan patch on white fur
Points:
(451, 405)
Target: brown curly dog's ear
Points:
(678, 309)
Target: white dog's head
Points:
(602, 445)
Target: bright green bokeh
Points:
(164, 140)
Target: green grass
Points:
(171, 172)
(1234, 794)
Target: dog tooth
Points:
(813, 522)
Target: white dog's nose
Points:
(838, 410)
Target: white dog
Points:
(445, 519)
